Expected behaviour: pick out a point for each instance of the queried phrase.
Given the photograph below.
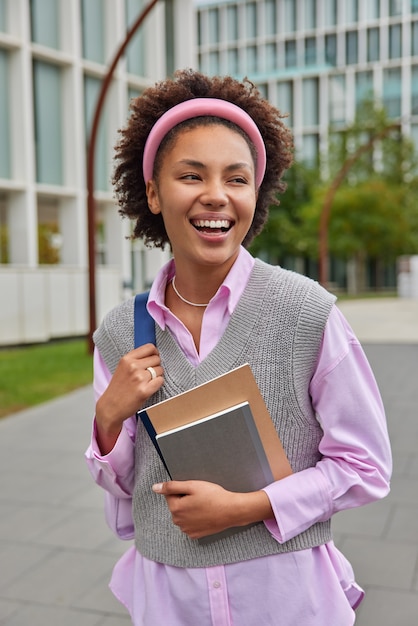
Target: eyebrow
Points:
(230, 168)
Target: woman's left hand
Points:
(202, 508)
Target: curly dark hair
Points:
(128, 181)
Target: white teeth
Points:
(212, 223)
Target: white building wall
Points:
(40, 302)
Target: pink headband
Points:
(196, 108)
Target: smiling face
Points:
(205, 192)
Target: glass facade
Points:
(351, 47)
(364, 87)
(3, 16)
(93, 34)
(251, 20)
(232, 23)
(91, 92)
(414, 39)
(414, 90)
(310, 97)
(271, 17)
(4, 116)
(395, 41)
(392, 91)
(45, 21)
(47, 92)
(323, 58)
(285, 100)
(289, 16)
(135, 53)
(309, 12)
(373, 44)
(337, 99)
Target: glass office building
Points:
(54, 55)
(317, 59)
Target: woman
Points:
(213, 153)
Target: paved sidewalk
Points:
(56, 553)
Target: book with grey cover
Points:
(223, 448)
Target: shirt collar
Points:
(231, 289)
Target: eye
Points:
(241, 180)
(190, 177)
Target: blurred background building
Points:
(317, 60)
(53, 57)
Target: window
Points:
(285, 100)
(214, 63)
(351, 11)
(289, 16)
(290, 53)
(91, 91)
(372, 9)
(392, 91)
(92, 20)
(135, 52)
(271, 56)
(414, 39)
(3, 16)
(251, 15)
(414, 136)
(309, 12)
(232, 23)
(364, 87)
(395, 7)
(44, 15)
(199, 29)
(252, 59)
(213, 17)
(414, 90)
(330, 10)
(310, 105)
(373, 44)
(4, 116)
(270, 17)
(48, 123)
(414, 6)
(310, 51)
(395, 41)
(311, 150)
(337, 98)
(233, 64)
(351, 55)
(331, 49)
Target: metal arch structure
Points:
(91, 154)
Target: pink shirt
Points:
(310, 587)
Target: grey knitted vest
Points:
(277, 328)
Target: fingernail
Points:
(157, 488)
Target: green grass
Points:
(31, 375)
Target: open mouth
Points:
(212, 226)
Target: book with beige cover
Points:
(220, 431)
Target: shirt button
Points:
(216, 584)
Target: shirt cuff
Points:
(298, 501)
(116, 462)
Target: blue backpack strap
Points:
(144, 326)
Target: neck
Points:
(183, 299)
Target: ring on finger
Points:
(152, 372)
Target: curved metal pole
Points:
(329, 197)
(91, 204)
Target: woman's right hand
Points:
(130, 386)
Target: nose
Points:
(214, 193)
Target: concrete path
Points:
(56, 552)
